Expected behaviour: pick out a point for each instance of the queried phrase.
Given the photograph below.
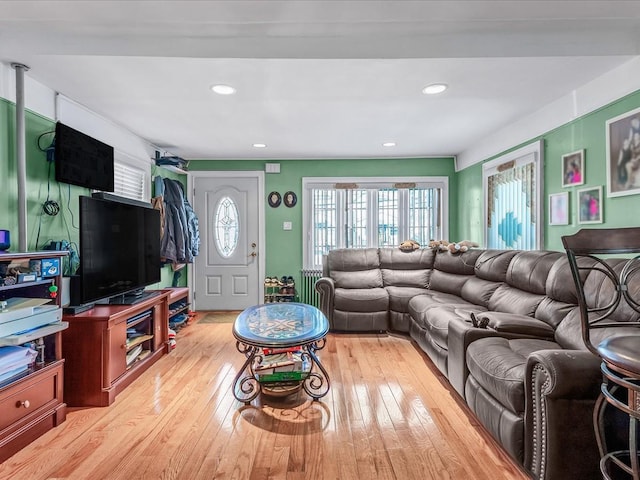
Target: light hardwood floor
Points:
(388, 415)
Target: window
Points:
(371, 212)
(131, 178)
(512, 186)
(226, 227)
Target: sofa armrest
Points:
(326, 288)
(561, 387)
(461, 334)
(521, 325)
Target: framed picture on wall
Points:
(589, 205)
(623, 154)
(559, 208)
(573, 168)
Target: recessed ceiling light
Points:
(223, 89)
(260, 145)
(389, 144)
(434, 88)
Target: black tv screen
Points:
(82, 160)
(119, 249)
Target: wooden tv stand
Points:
(100, 348)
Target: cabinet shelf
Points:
(44, 281)
(178, 307)
(138, 319)
(134, 342)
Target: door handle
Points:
(253, 254)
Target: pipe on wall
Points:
(21, 156)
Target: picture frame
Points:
(573, 168)
(623, 154)
(274, 199)
(290, 199)
(589, 205)
(559, 208)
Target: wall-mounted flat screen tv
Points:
(82, 160)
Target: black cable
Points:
(73, 220)
(40, 137)
(51, 208)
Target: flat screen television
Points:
(119, 251)
(82, 160)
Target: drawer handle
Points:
(23, 403)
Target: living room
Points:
(576, 124)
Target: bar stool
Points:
(605, 264)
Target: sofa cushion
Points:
(493, 265)
(458, 263)
(436, 321)
(361, 299)
(478, 291)
(406, 269)
(498, 365)
(432, 299)
(560, 285)
(353, 259)
(355, 267)
(512, 300)
(358, 280)
(529, 270)
(399, 297)
(405, 278)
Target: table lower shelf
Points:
(315, 381)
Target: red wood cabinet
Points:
(108, 347)
(33, 404)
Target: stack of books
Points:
(281, 366)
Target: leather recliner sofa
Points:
(503, 326)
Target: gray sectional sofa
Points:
(503, 326)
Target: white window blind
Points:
(130, 181)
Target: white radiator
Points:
(307, 291)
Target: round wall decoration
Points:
(274, 199)
(290, 199)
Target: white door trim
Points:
(261, 220)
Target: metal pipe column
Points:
(21, 156)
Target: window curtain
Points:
(511, 207)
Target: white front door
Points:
(228, 270)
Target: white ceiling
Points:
(317, 79)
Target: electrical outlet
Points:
(287, 225)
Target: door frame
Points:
(261, 220)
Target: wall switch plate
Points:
(287, 225)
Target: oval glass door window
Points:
(226, 227)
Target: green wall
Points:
(41, 186)
(284, 248)
(588, 133)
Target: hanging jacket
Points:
(181, 237)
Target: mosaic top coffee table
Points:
(277, 327)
